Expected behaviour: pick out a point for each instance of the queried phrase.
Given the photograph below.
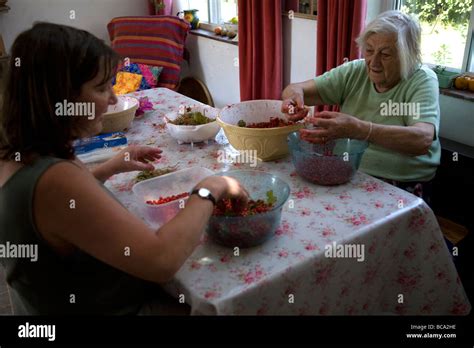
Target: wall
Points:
(299, 46)
(457, 119)
(91, 15)
(213, 61)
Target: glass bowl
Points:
(249, 231)
(333, 163)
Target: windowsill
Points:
(454, 146)
(211, 35)
(456, 93)
(300, 15)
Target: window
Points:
(447, 26)
(469, 56)
(214, 11)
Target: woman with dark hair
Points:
(94, 256)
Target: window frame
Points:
(468, 49)
(214, 13)
(468, 64)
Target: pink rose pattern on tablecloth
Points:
(407, 268)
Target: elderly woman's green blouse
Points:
(411, 101)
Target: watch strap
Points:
(209, 196)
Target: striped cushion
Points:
(152, 40)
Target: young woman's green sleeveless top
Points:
(52, 284)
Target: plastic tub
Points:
(163, 186)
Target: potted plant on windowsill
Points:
(445, 78)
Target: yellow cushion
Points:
(127, 83)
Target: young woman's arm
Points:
(70, 208)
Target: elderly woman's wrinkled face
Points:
(381, 58)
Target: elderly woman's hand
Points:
(293, 104)
(295, 109)
(331, 125)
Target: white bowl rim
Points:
(274, 101)
(297, 124)
(190, 127)
(252, 102)
(136, 103)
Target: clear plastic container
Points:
(164, 186)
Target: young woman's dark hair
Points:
(49, 64)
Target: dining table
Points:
(361, 248)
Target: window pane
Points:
(444, 25)
(202, 6)
(228, 10)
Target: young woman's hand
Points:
(135, 158)
(225, 187)
(130, 159)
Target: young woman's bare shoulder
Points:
(72, 208)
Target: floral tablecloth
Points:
(405, 268)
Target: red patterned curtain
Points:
(260, 49)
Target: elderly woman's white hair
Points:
(408, 33)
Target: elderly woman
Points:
(387, 99)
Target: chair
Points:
(152, 40)
(195, 89)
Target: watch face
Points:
(203, 192)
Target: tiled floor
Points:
(5, 306)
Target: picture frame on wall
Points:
(307, 9)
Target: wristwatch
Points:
(204, 193)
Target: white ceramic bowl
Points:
(193, 134)
(120, 116)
